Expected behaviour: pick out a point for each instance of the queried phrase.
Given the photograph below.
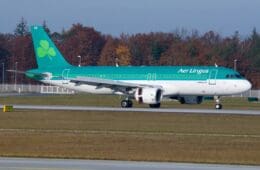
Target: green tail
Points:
(47, 54)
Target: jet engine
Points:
(148, 95)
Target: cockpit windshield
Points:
(231, 76)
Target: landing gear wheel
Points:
(157, 105)
(218, 106)
(126, 103)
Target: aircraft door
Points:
(65, 76)
(151, 76)
(212, 77)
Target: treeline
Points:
(156, 48)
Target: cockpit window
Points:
(230, 76)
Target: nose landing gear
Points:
(218, 105)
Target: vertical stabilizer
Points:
(47, 54)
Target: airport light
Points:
(3, 74)
(235, 64)
(79, 60)
(15, 75)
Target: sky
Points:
(135, 16)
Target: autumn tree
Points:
(108, 54)
(22, 54)
(82, 41)
(175, 55)
(22, 57)
(57, 37)
(4, 55)
(180, 47)
(138, 45)
(123, 55)
(254, 51)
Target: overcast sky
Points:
(135, 16)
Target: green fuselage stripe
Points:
(140, 73)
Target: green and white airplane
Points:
(145, 84)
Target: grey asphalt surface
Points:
(118, 109)
(76, 164)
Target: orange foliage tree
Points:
(123, 55)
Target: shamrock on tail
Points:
(45, 50)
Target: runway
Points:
(69, 164)
(117, 109)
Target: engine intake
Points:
(148, 95)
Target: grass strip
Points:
(232, 139)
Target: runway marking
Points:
(129, 133)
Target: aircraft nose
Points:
(246, 85)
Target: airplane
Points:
(145, 84)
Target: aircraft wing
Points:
(113, 84)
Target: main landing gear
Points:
(218, 105)
(126, 103)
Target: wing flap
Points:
(104, 82)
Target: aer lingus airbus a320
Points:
(145, 84)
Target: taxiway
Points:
(117, 109)
(68, 164)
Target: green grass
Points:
(131, 122)
(208, 138)
(232, 139)
(114, 101)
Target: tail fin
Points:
(47, 54)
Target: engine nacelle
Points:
(148, 95)
(191, 99)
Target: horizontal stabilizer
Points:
(16, 71)
(32, 74)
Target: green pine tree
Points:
(21, 28)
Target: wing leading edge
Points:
(113, 84)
